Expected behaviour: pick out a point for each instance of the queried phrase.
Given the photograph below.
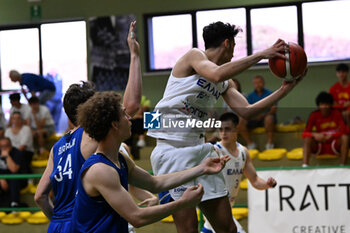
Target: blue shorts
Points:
(164, 197)
(59, 226)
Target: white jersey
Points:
(233, 170)
(186, 98)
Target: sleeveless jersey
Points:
(94, 214)
(67, 161)
(233, 170)
(184, 100)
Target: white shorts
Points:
(207, 228)
(170, 156)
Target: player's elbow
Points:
(157, 185)
(137, 223)
(132, 108)
(216, 77)
(138, 220)
(39, 198)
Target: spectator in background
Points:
(3, 123)
(11, 163)
(341, 91)
(266, 119)
(41, 123)
(21, 138)
(35, 83)
(17, 106)
(326, 131)
(55, 104)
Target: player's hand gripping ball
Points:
(291, 68)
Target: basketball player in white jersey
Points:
(240, 163)
(196, 82)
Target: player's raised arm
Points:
(257, 182)
(204, 64)
(237, 102)
(133, 91)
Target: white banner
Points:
(304, 201)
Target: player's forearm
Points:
(145, 216)
(45, 204)
(172, 180)
(140, 194)
(263, 104)
(133, 91)
(260, 184)
(230, 69)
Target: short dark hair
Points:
(230, 116)
(97, 114)
(324, 98)
(259, 77)
(34, 100)
(7, 139)
(15, 96)
(342, 67)
(76, 94)
(215, 33)
(16, 112)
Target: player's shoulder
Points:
(99, 173)
(195, 52)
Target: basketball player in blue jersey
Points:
(103, 203)
(240, 163)
(70, 152)
(196, 82)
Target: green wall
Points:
(299, 102)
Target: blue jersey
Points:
(94, 214)
(253, 97)
(36, 82)
(67, 162)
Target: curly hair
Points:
(97, 114)
(76, 95)
(215, 33)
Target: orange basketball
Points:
(292, 68)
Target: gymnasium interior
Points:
(33, 39)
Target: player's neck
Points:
(214, 55)
(110, 148)
(230, 145)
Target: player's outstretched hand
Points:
(214, 165)
(193, 195)
(132, 42)
(149, 202)
(271, 182)
(276, 50)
